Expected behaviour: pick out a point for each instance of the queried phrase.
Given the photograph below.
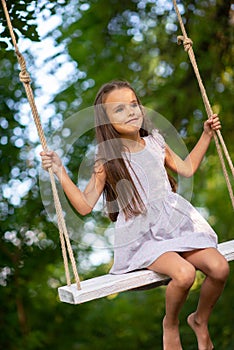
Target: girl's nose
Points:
(130, 110)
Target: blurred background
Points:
(72, 47)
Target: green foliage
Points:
(136, 41)
(20, 15)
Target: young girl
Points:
(155, 227)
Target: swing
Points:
(102, 286)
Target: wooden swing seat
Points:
(105, 285)
(111, 284)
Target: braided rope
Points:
(219, 141)
(25, 79)
(63, 233)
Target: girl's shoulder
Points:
(156, 138)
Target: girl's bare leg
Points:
(216, 269)
(182, 274)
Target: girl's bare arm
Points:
(84, 201)
(190, 164)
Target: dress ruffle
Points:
(139, 243)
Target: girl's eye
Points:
(118, 110)
(121, 108)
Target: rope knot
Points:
(187, 42)
(24, 77)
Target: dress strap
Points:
(156, 136)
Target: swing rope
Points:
(63, 233)
(219, 141)
(26, 80)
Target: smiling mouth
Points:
(131, 120)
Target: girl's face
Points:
(124, 112)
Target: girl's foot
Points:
(171, 336)
(202, 333)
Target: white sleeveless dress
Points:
(170, 222)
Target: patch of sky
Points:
(163, 69)
(5, 272)
(16, 189)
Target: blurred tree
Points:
(104, 40)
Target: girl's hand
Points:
(50, 159)
(212, 124)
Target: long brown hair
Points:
(120, 190)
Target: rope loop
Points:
(187, 42)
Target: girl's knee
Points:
(220, 270)
(185, 276)
(223, 271)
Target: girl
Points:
(156, 228)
